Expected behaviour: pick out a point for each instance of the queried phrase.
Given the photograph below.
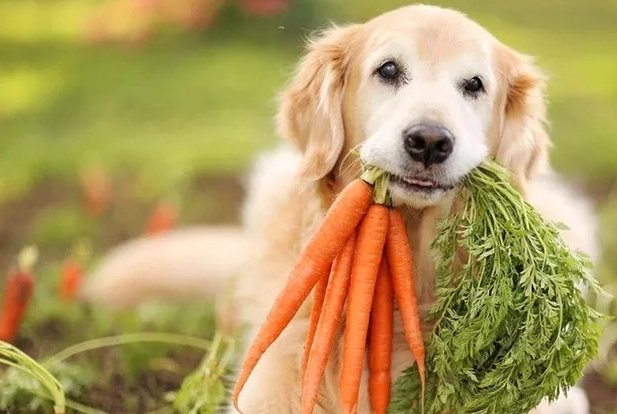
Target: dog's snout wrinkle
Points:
(428, 143)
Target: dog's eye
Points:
(388, 71)
(473, 86)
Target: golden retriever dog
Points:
(425, 94)
(421, 92)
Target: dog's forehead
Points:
(435, 36)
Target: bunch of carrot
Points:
(360, 254)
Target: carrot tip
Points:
(234, 402)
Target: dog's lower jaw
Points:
(418, 200)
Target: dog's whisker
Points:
(352, 151)
(351, 165)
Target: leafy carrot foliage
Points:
(511, 325)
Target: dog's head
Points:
(422, 92)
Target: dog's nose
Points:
(428, 143)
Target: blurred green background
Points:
(204, 98)
(167, 108)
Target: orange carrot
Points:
(401, 271)
(380, 341)
(314, 263)
(19, 287)
(369, 250)
(336, 293)
(18, 290)
(96, 190)
(70, 281)
(316, 309)
(162, 218)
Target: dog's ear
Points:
(311, 107)
(522, 141)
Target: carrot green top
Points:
(510, 324)
(380, 180)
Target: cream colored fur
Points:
(196, 261)
(334, 104)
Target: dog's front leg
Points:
(273, 387)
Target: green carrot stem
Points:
(16, 358)
(380, 180)
(117, 340)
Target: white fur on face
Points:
(430, 92)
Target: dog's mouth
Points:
(419, 184)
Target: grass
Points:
(110, 107)
(183, 115)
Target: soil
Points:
(602, 396)
(146, 393)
